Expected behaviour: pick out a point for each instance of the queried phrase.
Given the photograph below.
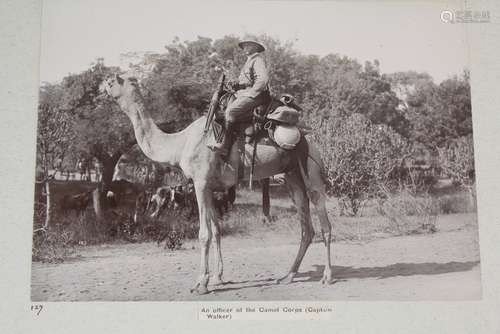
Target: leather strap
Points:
(240, 141)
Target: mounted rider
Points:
(252, 90)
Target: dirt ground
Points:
(440, 266)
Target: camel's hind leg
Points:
(266, 202)
(317, 194)
(299, 197)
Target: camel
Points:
(188, 150)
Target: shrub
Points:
(457, 160)
(173, 239)
(455, 203)
(52, 246)
(358, 155)
(409, 213)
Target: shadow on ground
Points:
(341, 273)
(393, 270)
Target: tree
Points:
(53, 138)
(439, 114)
(405, 83)
(343, 87)
(101, 130)
(181, 80)
(455, 97)
(179, 88)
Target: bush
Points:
(455, 203)
(173, 239)
(358, 155)
(457, 160)
(408, 213)
(52, 246)
(172, 227)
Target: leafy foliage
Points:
(100, 129)
(440, 113)
(98, 121)
(365, 122)
(55, 132)
(457, 160)
(359, 156)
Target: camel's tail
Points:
(303, 155)
(303, 173)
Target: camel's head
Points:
(118, 86)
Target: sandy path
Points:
(441, 266)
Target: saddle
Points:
(275, 122)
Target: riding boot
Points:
(225, 145)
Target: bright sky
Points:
(401, 35)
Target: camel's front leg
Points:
(204, 237)
(205, 207)
(216, 230)
(300, 199)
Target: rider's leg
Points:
(240, 110)
(225, 145)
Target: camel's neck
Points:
(154, 143)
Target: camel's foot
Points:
(287, 279)
(217, 280)
(200, 287)
(327, 277)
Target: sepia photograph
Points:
(255, 151)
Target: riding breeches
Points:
(241, 108)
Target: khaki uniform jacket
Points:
(254, 76)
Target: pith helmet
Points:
(247, 41)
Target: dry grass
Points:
(400, 214)
(405, 218)
(408, 213)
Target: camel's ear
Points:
(119, 79)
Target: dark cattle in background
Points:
(184, 197)
(190, 199)
(111, 200)
(123, 188)
(177, 197)
(159, 201)
(77, 203)
(221, 202)
(142, 202)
